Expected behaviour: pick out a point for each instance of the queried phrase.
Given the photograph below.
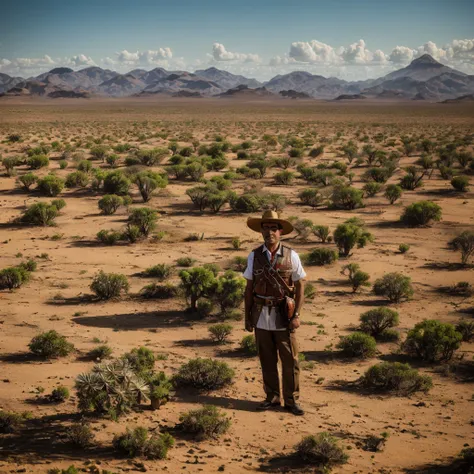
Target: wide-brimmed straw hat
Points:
(255, 223)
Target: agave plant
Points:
(111, 388)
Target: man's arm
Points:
(248, 302)
(299, 300)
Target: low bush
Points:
(393, 193)
(461, 288)
(206, 422)
(84, 166)
(13, 277)
(185, 261)
(403, 248)
(27, 180)
(50, 185)
(321, 450)
(220, 332)
(348, 235)
(40, 213)
(322, 232)
(464, 243)
(110, 203)
(160, 271)
(109, 285)
(160, 292)
(309, 291)
(204, 308)
(144, 218)
(77, 179)
(378, 320)
(59, 394)
(11, 421)
(358, 344)
(80, 435)
(284, 178)
(346, 197)
(320, 257)
(196, 283)
(204, 374)
(394, 286)
(311, 197)
(372, 188)
(109, 237)
(421, 213)
(432, 341)
(117, 183)
(50, 345)
(228, 291)
(249, 345)
(140, 359)
(466, 329)
(138, 442)
(161, 389)
(36, 162)
(100, 352)
(395, 377)
(460, 183)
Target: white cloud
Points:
(219, 53)
(313, 52)
(80, 60)
(401, 55)
(357, 53)
(144, 58)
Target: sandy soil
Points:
(420, 433)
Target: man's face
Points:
(271, 233)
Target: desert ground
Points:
(425, 431)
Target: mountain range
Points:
(423, 79)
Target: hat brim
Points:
(255, 223)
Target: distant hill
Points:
(457, 100)
(423, 79)
(245, 92)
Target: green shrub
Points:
(147, 182)
(40, 213)
(393, 193)
(315, 152)
(161, 292)
(220, 332)
(464, 243)
(37, 161)
(378, 320)
(432, 341)
(466, 329)
(358, 344)
(309, 291)
(284, 178)
(322, 232)
(421, 213)
(160, 271)
(9, 163)
(84, 166)
(321, 450)
(359, 279)
(249, 345)
(109, 285)
(138, 442)
(77, 179)
(63, 164)
(311, 197)
(348, 235)
(394, 286)
(204, 374)
(247, 203)
(10, 421)
(144, 218)
(100, 352)
(403, 248)
(116, 182)
(99, 152)
(108, 237)
(13, 277)
(185, 261)
(27, 180)
(50, 345)
(50, 185)
(228, 291)
(461, 288)
(30, 265)
(395, 377)
(59, 394)
(206, 422)
(161, 389)
(152, 156)
(372, 188)
(111, 160)
(141, 359)
(196, 283)
(460, 183)
(346, 197)
(320, 257)
(204, 308)
(80, 435)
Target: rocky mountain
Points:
(457, 100)
(423, 79)
(245, 92)
(291, 94)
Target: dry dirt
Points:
(419, 433)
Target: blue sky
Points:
(255, 33)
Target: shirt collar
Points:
(278, 252)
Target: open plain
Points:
(422, 432)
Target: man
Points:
(265, 291)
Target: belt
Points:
(270, 302)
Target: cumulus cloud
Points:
(313, 52)
(219, 53)
(144, 58)
(401, 55)
(80, 60)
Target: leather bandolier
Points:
(266, 289)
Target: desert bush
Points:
(100, 352)
(108, 237)
(248, 345)
(12, 278)
(148, 181)
(195, 171)
(403, 248)
(395, 377)
(50, 185)
(39, 213)
(311, 197)
(152, 156)
(322, 233)
(464, 243)
(357, 278)
(303, 227)
(10, 163)
(99, 152)
(393, 192)
(204, 308)
(460, 183)
(346, 197)
(358, 344)
(116, 182)
(84, 166)
(284, 178)
(77, 179)
(309, 291)
(185, 261)
(80, 435)
(432, 341)
(204, 423)
(372, 188)
(196, 283)
(27, 180)
(461, 288)
(138, 442)
(413, 179)
(161, 389)
(348, 235)
(110, 203)
(220, 332)
(378, 320)
(30, 265)
(59, 394)
(11, 421)
(109, 285)
(112, 160)
(321, 450)
(144, 218)
(246, 203)
(204, 374)
(466, 329)
(421, 213)
(377, 175)
(160, 271)
(394, 286)
(141, 360)
(228, 291)
(50, 345)
(161, 292)
(36, 162)
(320, 256)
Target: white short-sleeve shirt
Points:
(267, 318)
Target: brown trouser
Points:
(270, 345)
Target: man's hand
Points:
(248, 326)
(294, 323)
